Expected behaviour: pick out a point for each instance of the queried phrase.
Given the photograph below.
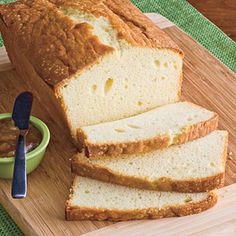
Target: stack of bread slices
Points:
(118, 78)
(161, 163)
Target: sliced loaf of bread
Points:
(196, 166)
(161, 127)
(95, 200)
(105, 59)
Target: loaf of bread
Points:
(104, 58)
(161, 127)
(196, 166)
(94, 200)
(107, 63)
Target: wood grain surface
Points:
(206, 82)
(221, 12)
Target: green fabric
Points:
(7, 226)
(181, 13)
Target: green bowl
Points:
(34, 157)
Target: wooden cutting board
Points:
(206, 82)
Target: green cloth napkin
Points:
(7, 225)
(182, 14)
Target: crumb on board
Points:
(230, 155)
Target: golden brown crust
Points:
(130, 23)
(24, 68)
(82, 213)
(58, 48)
(189, 133)
(80, 140)
(53, 44)
(114, 149)
(199, 130)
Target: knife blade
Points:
(21, 116)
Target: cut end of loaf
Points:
(95, 200)
(134, 81)
(134, 78)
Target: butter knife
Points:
(21, 116)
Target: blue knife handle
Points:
(19, 183)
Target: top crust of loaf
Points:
(58, 47)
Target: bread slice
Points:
(196, 166)
(105, 60)
(95, 200)
(161, 127)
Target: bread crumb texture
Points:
(195, 166)
(92, 199)
(170, 120)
